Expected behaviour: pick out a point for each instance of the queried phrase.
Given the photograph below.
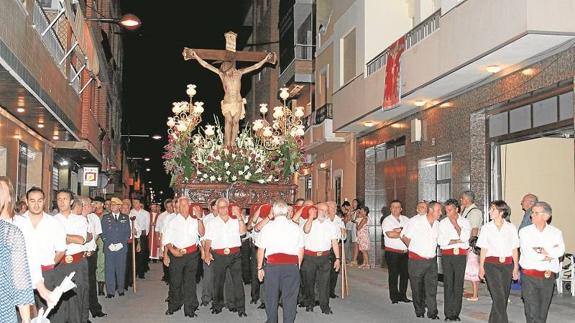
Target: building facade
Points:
(60, 98)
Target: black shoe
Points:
(394, 302)
(419, 315)
(327, 311)
(233, 310)
(332, 295)
(167, 299)
(216, 310)
(456, 318)
(109, 296)
(301, 305)
(142, 276)
(405, 300)
(99, 314)
(193, 314)
(121, 294)
(254, 301)
(242, 313)
(168, 312)
(434, 317)
(89, 321)
(309, 308)
(262, 306)
(205, 303)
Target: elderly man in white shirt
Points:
(396, 252)
(74, 308)
(541, 247)
(181, 239)
(453, 239)
(421, 239)
(281, 241)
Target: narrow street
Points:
(368, 303)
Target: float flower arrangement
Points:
(266, 153)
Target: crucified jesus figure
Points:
(233, 104)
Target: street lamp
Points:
(128, 21)
(155, 137)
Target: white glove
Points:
(119, 246)
(112, 247)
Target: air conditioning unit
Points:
(416, 130)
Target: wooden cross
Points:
(229, 54)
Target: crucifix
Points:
(233, 105)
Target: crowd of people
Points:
(289, 254)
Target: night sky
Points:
(155, 74)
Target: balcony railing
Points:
(304, 52)
(50, 39)
(414, 36)
(318, 116)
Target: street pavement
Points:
(368, 302)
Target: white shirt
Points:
(95, 228)
(74, 225)
(423, 237)
(281, 235)
(161, 222)
(223, 234)
(447, 233)
(338, 222)
(181, 232)
(412, 219)
(167, 220)
(389, 223)
(499, 243)
(142, 218)
(550, 239)
(34, 264)
(320, 236)
(48, 238)
(207, 219)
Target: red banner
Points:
(391, 94)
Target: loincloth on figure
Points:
(234, 108)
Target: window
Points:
(434, 178)
(348, 58)
(323, 86)
(3, 160)
(29, 169)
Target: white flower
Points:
(246, 167)
(234, 156)
(218, 157)
(209, 131)
(240, 172)
(205, 176)
(228, 172)
(247, 176)
(171, 123)
(226, 165)
(261, 181)
(219, 179)
(234, 178)
(199, 173)
(212, 178)
(259, 170)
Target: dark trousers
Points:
(537, 294)
(498, 278)
(128, 277)
(208, 283)
(233, 263)
(143, 256)
(95, 306)
(284, 280)
(255, 282)
(246, 251)
(423, 278)
(333, 275)
(115, 271)
(50, 281)
(183, 283)
(316, 269)
(453, 279)
(74, 303)
(397, 264)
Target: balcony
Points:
(449, 54)
(319, 135)
(300, 70)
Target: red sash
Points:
(227, 251)
(282, 259)
(498, 260)
(315, 253)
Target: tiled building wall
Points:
(460, 130)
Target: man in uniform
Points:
(421, 237)
(181, 239)
(541, 247)
(143, 221)
(396, 252)
(321, 237)
(73, 307)
(115, 234)
(222, 246)
(281, 241)
(453, 239)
